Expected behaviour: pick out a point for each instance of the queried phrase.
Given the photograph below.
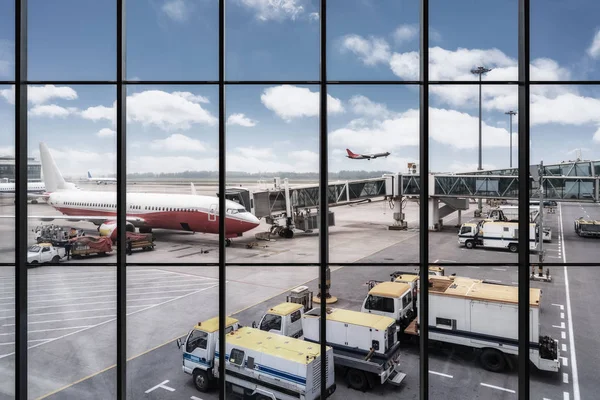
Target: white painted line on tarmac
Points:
(565, 377)
(576, 394)
(562, 315)
(440, 374)
(563, 347)
(51, 321)
(559, 305)
(436, 261)
(497, 387)
(49, 330)
(472, 266)
(74, 311)
(12, 343)
(561, 326)
(499, 269)
(162, 386)
(515, 283)
(195, 398)
(565, 361)
(566, 395)
(563, 335)
(493, 280)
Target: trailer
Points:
(88, 245)
(587, 228)
(469, 313)
(511, 214)
(143, 241)
(496, 235)
(259, 365)
(364, 346)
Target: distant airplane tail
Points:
(53, 179)
(351, 154)
(89, 175)
(193, 189)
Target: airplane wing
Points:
(95, 219)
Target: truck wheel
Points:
(513, 248)
(492, 360)
(469, 244)
(356, 379)
(288, 233)
(200, 380)
(55, 260)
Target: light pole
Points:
(511, 113)
(480, 71)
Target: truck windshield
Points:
(271, 321)
(379, 303)
(465, 229)
(34, 249)
(197, 339)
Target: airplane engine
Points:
(109, 228)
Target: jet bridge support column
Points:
(396, 198)
(434, 214)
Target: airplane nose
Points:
(253, 220)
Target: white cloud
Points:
(41, 94)
(277, 10)
(596, 137)
(171, 164)
(250, 159)
(73, 161)
(459, 166)
(7, 151)
(178, 142)
(434, 35)
(241, 119)
(305, 157)
(364, 106)
(405, 65)
(594, 49)
(51, 111)
(370, 51)
(177, 10)
(405, 33)
(106, 132)
(290, 102)
(252, 152)
(314, 16)
(167, 111)
(567, 108)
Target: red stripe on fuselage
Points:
(198, 221)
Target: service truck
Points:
(511, 214)
(467, 312)
(259, 365)
(44, 253)
(364, 346)
(495, 234)
(587, 228)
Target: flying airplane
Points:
(146, 211)
(101, 180)
(365, 156)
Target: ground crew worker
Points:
(68, 250)
(129, 252)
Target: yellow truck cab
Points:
(284, 319)
(394, 300)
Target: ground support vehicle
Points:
(88, 245)
(259, 365)
(496, 235)
(511, 214)
(468, 312)
(587, 228)
(144, 241)
(45, 253)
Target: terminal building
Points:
(7, 169)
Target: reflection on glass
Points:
(172, 174)
(7, 174)
(7, 35)
(55, 53)
(7, 331)
(71, 326)
(273, 173)
(70, 177)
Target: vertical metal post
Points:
(121, 122)
(21, 199)
(511, 153)
(541, 211)
(524, 186)
(222, 205)
(423, 201)
(323, 199)
(480, 164)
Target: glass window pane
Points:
(373, 151)
(272, 40)
(471, 34)
(7, 328)
(184, 37)
(172, 168)
(71, 40)
(59, 117)
(7, 40)
(273, 141)
(373, 40)
(7, 174)
(72, 327)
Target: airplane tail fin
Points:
(350, 154)
(53, 179)
(193, 188)
(89, 175)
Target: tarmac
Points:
(72, 308)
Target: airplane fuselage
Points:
(8, 189)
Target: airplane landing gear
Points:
(227, 242)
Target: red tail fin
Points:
(351, 154)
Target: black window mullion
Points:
(121, 125)
(423, 201)
(323, 200)
(524, 163)
(21, 199)
(222, 208)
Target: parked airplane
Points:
(35, 190)
(365, 156)
(101, 180)
(146, 211)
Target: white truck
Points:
(259, 365)
(495, 234)
(44, 253)
(467, 312)
(587, 228)
(365, 346)
(511, 214)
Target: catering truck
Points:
(364, 346)
(587, 228)
(259, 365)
(496, 235)
(467, 312)
(511, 214)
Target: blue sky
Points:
(275, 128)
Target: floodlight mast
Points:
(480, 71)
(511, 113)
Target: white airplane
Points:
(146, 211)
(35, 190)
(101, 180)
